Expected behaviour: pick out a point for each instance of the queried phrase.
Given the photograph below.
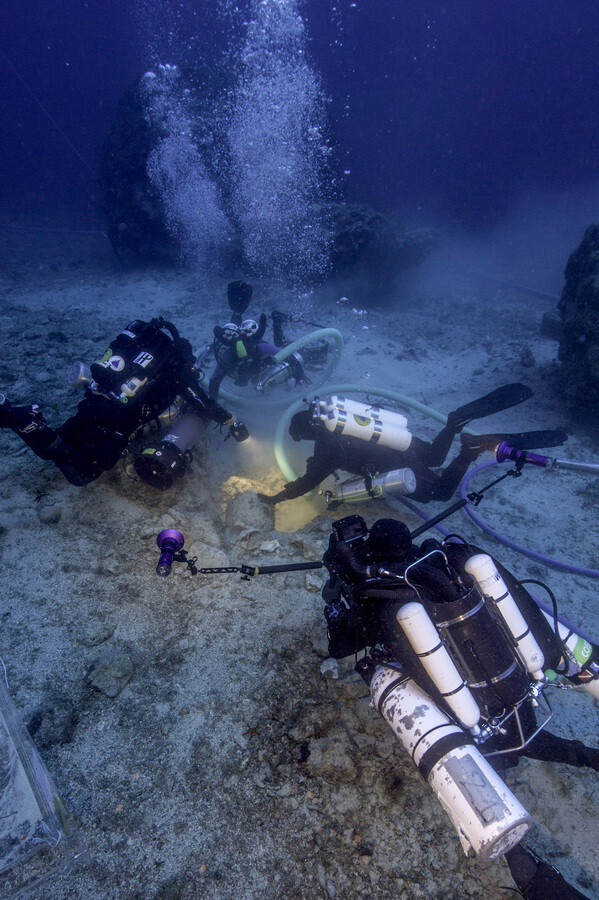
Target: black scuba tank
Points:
(482, 650)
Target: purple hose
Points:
(544, 606)
(553, 563)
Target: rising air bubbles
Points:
(193, 208)
(266, 193)
(278, 148)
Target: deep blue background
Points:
(461, 103)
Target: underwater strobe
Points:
(170, 541)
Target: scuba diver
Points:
(367, 441)
(458, 657)
(147, 370)
(242, 353)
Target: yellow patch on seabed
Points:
(291, 515)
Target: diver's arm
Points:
(204, 404)
(261, 328)
(317, 470)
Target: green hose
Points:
(281, 356)
(283, 424)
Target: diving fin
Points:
(502, 398)
(521, 440)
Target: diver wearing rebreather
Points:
(366, 599)
(145, 368)
(334, 451)
(239, 346)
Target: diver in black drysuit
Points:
(390, 540)
(138, 377)
(334, 451)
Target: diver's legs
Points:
(54, 446)
(538, 880)
(279, 336)
(551, 748)
(21, 419)
(502, 398)
(77, 467)
(29, 424)
(435, 453)
(441, 485)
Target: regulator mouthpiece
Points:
(169, 541)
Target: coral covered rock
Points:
(579, 345)
(366, 239)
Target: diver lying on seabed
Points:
(377, 445)
(242, 353)
(148, 371)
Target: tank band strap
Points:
(443, 746)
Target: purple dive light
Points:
(505, 452)
(169, 541)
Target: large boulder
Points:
(579, 344)
(362, 241)
(373, 243)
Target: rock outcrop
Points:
(579, 344)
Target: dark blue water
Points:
(456, 105)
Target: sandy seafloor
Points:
(195, 780)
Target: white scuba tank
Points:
(490, 584)
(486, 815)
(426, 642)
(361, 420)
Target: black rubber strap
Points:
(444, 746)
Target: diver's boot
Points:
(503, 398)
(521, 440)
(538, 880)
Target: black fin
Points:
(521, 440)
(502, 398)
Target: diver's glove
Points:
(261, 327)
(272, 501)
(21, 419)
